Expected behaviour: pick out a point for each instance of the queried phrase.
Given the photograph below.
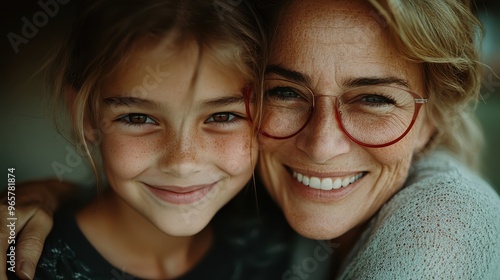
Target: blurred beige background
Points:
(30, 144)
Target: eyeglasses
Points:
(373, 116)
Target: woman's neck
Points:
(346, 243)
(130, 242)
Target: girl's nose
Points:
(181, 155)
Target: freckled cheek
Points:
(235, 153)
(127, 156)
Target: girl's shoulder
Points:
(444, 223)
(67, 254)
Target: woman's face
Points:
(325, 45)
(176, 143)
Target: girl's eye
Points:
(136, 119)
(222, 118)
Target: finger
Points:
(30, 243)
(4, 234)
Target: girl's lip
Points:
(181, 195)
(181, 189)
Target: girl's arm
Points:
(22, 239)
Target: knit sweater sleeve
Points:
(445, 224)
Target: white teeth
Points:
(337, 184)
(326, 183)
(345, 182)
(305, 180)
(299, 177)
(315, 183)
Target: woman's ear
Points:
(72, 104)
(425, 132)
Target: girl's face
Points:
(331, 47)
(176, 143)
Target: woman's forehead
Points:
(329, 14)
(340, 24)
(335, 41)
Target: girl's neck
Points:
(131, 243)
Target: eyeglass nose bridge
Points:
(313, 110)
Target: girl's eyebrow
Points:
(130, 101)
(223, 101)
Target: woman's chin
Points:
(311, 225)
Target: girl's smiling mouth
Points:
(181, 195)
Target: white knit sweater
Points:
(444, 224)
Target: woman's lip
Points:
(322, 174)
(181, 195)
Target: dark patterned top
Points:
(246, 246)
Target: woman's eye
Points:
(283, 93)
(377, 100)
(222, 118)
(137, 119)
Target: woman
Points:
(388, 81)
(382, 163)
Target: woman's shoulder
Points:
(444, 223)
(438, 183)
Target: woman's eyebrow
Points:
(370, 81)
(287, 73)
(130, 101)
(354, 82)
(223, 101)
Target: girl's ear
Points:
(88, 127)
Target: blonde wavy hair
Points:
(445, 37)
(106, 31)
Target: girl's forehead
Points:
(167, 75)
(164, 57)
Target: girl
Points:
(157, 86)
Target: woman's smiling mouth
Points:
(327, 183)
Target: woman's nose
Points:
(322, 139)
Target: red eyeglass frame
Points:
(419, 101)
